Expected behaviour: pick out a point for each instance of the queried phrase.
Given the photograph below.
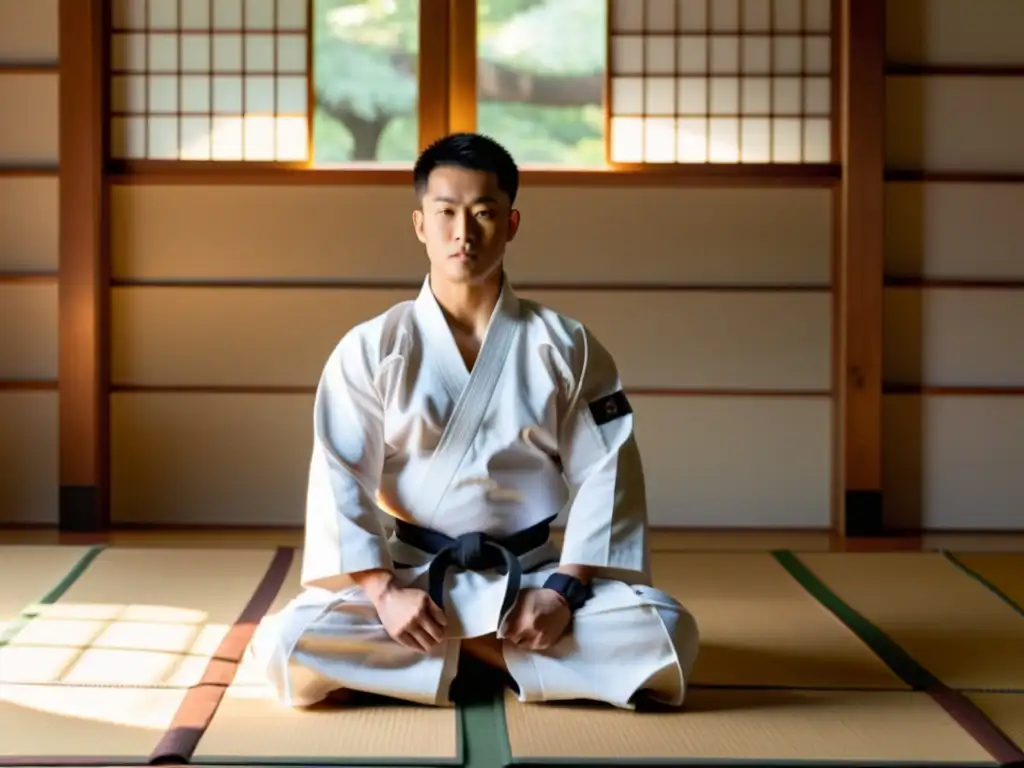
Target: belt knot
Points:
(470, 552)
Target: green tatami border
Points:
(965, 712)
(31, 611)
(962, 566)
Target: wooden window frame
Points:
(447, 102)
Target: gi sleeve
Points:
(343, 532)
(606, 526)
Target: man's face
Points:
(465, 222)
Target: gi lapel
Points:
(472, 399)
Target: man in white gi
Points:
(465, 421)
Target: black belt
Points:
(474, 552)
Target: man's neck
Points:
(468, 306)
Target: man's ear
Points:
(513, 224)
(417, 225)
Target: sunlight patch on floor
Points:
(143, 708)
(111, 645)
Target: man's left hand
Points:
(539, 619)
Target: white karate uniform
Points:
(403, 431)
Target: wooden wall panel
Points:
(29, 237)
(28, 458)
(955, 308)
(28, 31)
(955, 31)
(28, 332)
(955, 124)
(737, 462)
(282, 337)
(954, 338)
(954, 463)
(955, 231)
(580, 236)
(28, 119)
(212, 459)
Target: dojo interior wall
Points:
(29, 250)
(210, 421)
(228, 457)
(954, 304)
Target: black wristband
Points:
(575, 592)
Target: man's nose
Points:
(465, 232)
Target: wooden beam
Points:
(861, 210)
(651, 176)
(83, 269)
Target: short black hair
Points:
(472, 151)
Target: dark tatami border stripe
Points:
(32, 611)
(200, 703)
(959, 707)
(983, 581)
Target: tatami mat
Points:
(80, 725)
(250, 726)
(1002, 570)
(28, 573)
(1005, 710)
(137, 617)
(949, 623)
(759, 627)
(855, 727)
(100, 675)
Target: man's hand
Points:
(539, 619)
(410, 617)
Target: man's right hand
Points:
(410, 617)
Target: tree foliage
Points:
(541, 62)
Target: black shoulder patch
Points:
(610, 408)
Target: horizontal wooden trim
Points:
(160, 172)
(676, 538)
(960, 284)
(242, 389)
(926, 390)
(898, 69)
(29, 68)
(331, 283)
(299, 527)
(15, 171)
(966, 533)
(277, 31)
(32, 278)
(900, 175)
(28, 385)
(200, 529)
(726, 392)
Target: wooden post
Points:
(433, 78)
(860, 270)
(83, 270)
(462, 57)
